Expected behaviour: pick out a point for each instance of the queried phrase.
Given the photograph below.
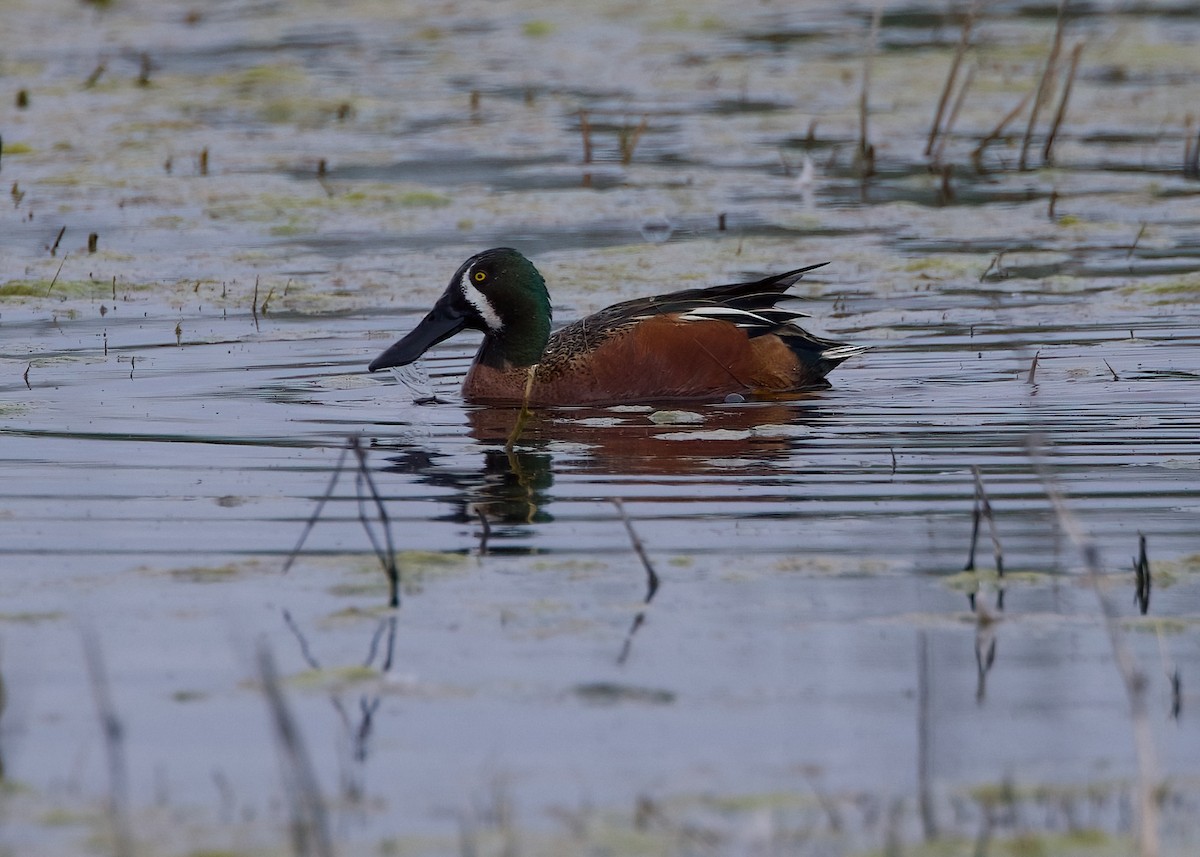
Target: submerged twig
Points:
(1146, 810)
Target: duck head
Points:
(498, 292)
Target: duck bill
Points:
(440, 323)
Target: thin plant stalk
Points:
(964, 41)
(953, 117)
(1061, 112)
(1043, 89)
(994, 134)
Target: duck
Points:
(721, 343)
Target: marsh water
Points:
(278, 191)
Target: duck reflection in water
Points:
(514, 486)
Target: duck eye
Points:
(480, 276)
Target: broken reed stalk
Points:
(1062, 103)
(486, 531)
(95, 76)
(953, 117)
(585, 129)
(1043, 88)
(254, 304)
(58, 238)
(1146, 809)
(994, 134)
(628, 139)
(114, 747)
(866, 152)
(1000, 272)
(60, 267)
(1136, 240)
(964, 41)
(1033, 364)
(310, 827)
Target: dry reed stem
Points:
(585, 129)
(977, 155)
(1062, 104)
(60, 267)
(866, 152)
(1043, 89)
(628, 140)
(953, 117)
(964, 41)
